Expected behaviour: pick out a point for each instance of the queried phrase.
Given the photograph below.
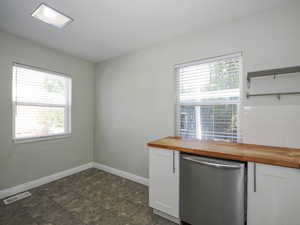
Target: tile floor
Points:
(91, 197)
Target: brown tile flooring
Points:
(91, 197)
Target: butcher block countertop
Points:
(289, 157)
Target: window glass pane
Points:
(188, 125)
(208, 96)
(210, 122)
(210, 82)
(42, 103)
(183, 121)
(32, 121)
(34, 86)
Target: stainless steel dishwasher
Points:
(212, 191)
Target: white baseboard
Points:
(121, 173)
(167, 216)
(44, 180)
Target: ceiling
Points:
(107, 28)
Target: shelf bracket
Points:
(278, 96)
(248, 82)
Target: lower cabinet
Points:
(164, 181)
(273, 191)
(273, 195)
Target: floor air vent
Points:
(16, 197)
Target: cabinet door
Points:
(164, 180)
(276, 200)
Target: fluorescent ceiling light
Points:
(51, 16)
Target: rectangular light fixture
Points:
(51, 16)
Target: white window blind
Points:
(208, 96)
(41, 103)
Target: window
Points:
(208, 97)
(41, 103)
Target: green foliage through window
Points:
(223, 75)
(54, 85)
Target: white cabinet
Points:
(273, 195)
(164, 181)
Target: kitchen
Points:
(215, 164)
(111, 115)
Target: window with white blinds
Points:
(208, 96)
(41, 103)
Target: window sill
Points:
(42, 138)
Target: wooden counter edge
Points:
(227, 155)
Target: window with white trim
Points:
(41, 103)
(208, 95)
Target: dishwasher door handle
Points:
(217, 165)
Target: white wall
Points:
(135, 93)
(20, 163)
